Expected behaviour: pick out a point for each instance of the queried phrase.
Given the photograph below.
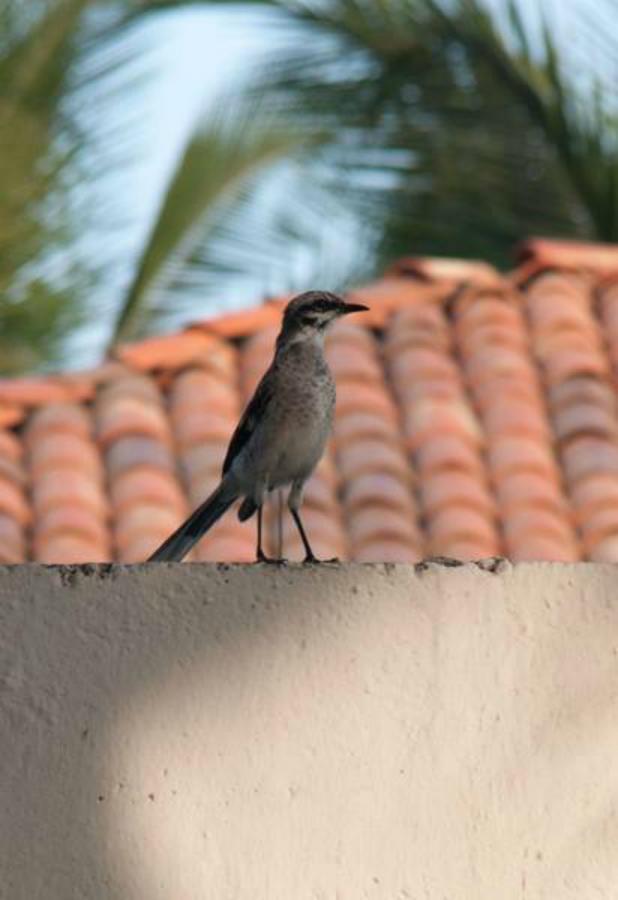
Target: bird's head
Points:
(313, 311)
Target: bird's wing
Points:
(252, 415)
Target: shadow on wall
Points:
(175, 733)
(165, 730)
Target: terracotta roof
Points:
(477, 415)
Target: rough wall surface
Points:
(251, 733)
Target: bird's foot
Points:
(271, 561)
(442, 561)
(311, 559)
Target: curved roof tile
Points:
(477, 414)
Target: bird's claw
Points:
(269, 560)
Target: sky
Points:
(194, 54)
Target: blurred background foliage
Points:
(364, 130)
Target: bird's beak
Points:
(352, 308)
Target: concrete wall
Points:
(240, 733)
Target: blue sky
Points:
(194, 54)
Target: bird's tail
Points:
(180, 542)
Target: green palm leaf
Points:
(35, 59)
(579, 124)
(51, 53)
(220, 160)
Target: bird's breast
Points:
(301, 416)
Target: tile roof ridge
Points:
(525, 275)
(180, 348)
(445, 268)
(171, 350)
(243, 323)
(538, 255)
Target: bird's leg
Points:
(294, 500)
(260, 555)
(309, 555)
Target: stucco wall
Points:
(247, 733)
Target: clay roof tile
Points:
(172, 351)
(476, 414)
(544, 253)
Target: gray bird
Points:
(282, 432)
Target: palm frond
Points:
(580, 125)
(34, 325)
(33, 68)
(58, 58)
(38, 46)
(220, 159)
(283, 233)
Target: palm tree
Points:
(54, 56)
(34, 51)
(417, 125)
(443, 127)
(211, 224)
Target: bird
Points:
(282, 433)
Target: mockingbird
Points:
(282, 432)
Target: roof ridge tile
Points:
(537, 255)
(445, 268)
